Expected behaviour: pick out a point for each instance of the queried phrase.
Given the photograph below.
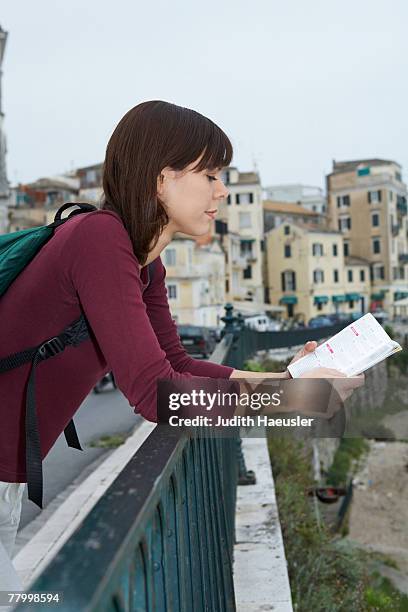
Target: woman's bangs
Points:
(217, 153)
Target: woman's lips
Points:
(211, 213)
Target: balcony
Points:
(239, 261)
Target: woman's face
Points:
(191, 198)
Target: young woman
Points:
(161, 176)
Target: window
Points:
(244, 220)
(262, 245)
(288, 252)
(375, 220)
(336, 276)
(245, 198)
(344, 223)
(317, 249)
(374, 197)
(362, 275)
(287, 230)
(318, 276)
(395, 273)
(288, 280)
(343, 201)
(346, 249)
(172, 291)
(229, 199)
(350, 276)
(248, 272)
(319, 306)
(391, 196)
(378, 273)
(398, 176)
(246, 248)
(170, 257)
(334, 250)
(376, 246)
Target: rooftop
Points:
(289, 208)
(348, 166)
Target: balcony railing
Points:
(162, 535)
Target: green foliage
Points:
(348, 453)
(253, 366)
(322, 577)
(389, 330)
(326, 575)
(112, 441)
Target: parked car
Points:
(320, 321)
(215, 332)
(196, 339)
(106, 382)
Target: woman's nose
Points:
(223, 193)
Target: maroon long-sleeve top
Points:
(88, 266)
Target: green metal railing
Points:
(161, 537)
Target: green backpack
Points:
(16, 252)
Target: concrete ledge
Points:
(31, 560)
(260, 573)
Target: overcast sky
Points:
(294, 83)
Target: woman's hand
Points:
(308, 348)
(344, 385)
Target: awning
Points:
(247, 240)
(338, 298)
(378, 296)
(288, 299)
(352, 296)
(400, 295)
(321, 299)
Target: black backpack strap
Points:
(72, 335)
(83, 208)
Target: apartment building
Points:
(310, 197)
(308, 274)
(195, 281)
(367, 203)
(242, 237)
(36, 203)
(276, 213)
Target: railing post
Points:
(233, 325)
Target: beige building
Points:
(195, 281)
(276, 213)
(367, 202)
(307, 272)
(243, 242)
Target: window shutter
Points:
(283, 281)
(379, 195)
(237, 198)
(294, 281)
(251, 198)
(369, 197)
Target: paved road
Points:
(107, 412)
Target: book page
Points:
(353, 350)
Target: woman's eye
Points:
(211, 178)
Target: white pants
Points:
(11, 494)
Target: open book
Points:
(355, 349)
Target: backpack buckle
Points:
(51, 347)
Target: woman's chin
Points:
(198, 230)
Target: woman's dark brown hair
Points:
(150, 137)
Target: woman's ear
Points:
(160, 181)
